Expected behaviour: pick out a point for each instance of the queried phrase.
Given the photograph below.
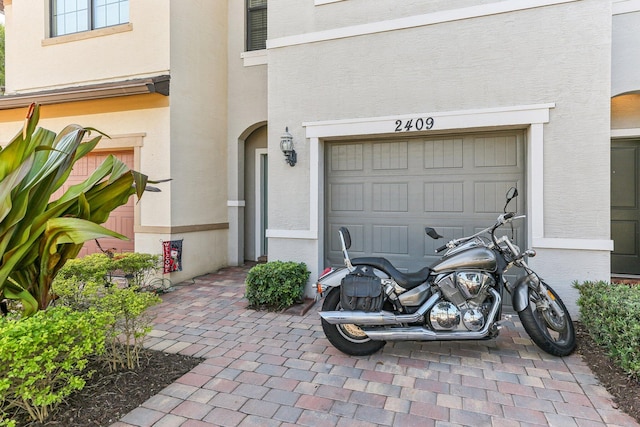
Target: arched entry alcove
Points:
(241, 201)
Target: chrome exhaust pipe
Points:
(378, 318)
(424, 334)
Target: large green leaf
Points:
(38, 235)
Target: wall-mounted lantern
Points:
(286, 145)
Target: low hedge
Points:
(611, 314)
(43, 358)
(276, 284)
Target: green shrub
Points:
(276, 284)
(611, 313)
(126, 307)
(139, 269)
(43, 358)
(125, 335)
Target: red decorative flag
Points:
(172, 256)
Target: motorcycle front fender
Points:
(520, 296)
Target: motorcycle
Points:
(459, 297)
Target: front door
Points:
(625, 206)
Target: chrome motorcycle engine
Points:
(465, 304)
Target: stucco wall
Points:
(247, 111)
(557, 54)
(33, 64)
(198, 112)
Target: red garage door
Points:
(121, 220)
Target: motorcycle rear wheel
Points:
(550, 332)
(349, 339)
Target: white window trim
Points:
(500, 7)
(529, 117)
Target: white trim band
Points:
(235, 203)
(625, 6)
(506, 6)
(625, 133)
(572, 244)
(503, 116)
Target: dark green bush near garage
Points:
(276, 285)
(611, 314)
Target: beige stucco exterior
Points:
(182, 136)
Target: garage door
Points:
(387, 191)
(121, 220)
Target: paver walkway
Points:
(270, 369)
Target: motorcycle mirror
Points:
(431, 232)
(511, 194)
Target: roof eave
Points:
(158, 84)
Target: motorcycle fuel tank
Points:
(476, 258)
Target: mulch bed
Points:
(624, 388)
(109, 396)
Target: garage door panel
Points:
(346, 157)
(489, 196)
(495, 151)
(356, 231)
(389, 239)
(390, 197)
(390, 155)
(121, 220)
(443, 153)
(443, 197)
(347, 197)
(455, 184)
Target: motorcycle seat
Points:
(406, 280)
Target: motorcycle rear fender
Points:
(332, 279)
(520, 297)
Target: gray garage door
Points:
(387, 191)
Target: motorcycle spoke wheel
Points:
(551, 330)
(349, 339)
(353, 333)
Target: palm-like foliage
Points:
(37, 234)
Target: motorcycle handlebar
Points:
(502, 219)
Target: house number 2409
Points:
(414, 124)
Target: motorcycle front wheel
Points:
(548, 323)
(349, 339)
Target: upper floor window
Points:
(74, 16)
(256, 24)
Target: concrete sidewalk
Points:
(270, 369)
